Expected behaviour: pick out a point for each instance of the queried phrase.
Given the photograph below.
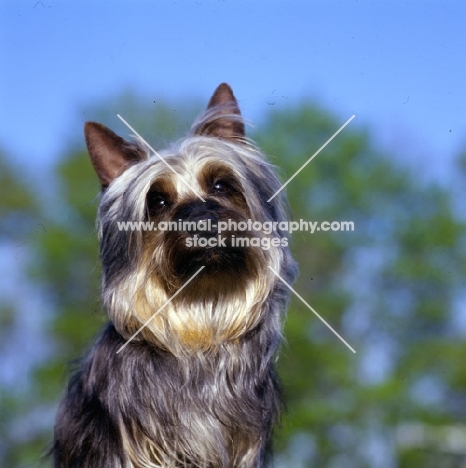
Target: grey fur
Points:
(198, 387)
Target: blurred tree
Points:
(19, 220)
(17, 203)
(390, 287)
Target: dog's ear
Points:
(223, 117)
(110, 154)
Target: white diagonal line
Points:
(158, 155)
(166, 303)
(311, 158)
(305, 303)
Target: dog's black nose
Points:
(204, 225)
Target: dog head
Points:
(193, 206)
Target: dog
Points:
(183, 375)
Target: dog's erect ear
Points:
(110, 154)
(224, 120)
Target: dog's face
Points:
(199, 237)
(197, 200)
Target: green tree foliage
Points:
(392, 288)
(18, 221)
(17, 204)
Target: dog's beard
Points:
(220, 303)
(227, 268)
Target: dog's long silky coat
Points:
(197, 387)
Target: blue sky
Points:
(398, 65)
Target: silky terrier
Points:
(183, 375)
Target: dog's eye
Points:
(221, 187)
(155, 202)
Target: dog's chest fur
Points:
(183, 403)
